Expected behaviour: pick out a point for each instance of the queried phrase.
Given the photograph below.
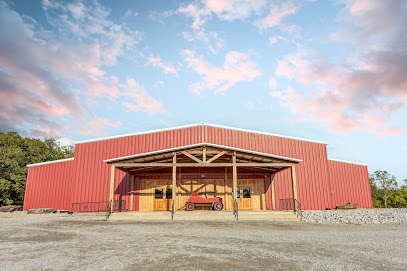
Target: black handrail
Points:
(172, 210)
(235, 209)
(109, 210)
(298, 210)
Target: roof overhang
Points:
(50, 162)
(203, 155)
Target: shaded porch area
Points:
(235, 176)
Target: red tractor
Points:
(194, 200)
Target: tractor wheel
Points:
(190, 206)
(217, 206)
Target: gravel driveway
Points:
(88, 243)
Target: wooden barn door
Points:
(162, 198)
(244, 197)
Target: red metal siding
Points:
(92, 179)
(312, 176)
(93, 175)
(49, 186)
(350, 183)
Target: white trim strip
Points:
(135, 134)
(265, 133)
(196, 125)
(347, 162)
(198, 145)
(50, 162)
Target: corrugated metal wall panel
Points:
(350, 183)
(93, 178)
(312, 176)
(49, 186)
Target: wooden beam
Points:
(112, 181)
(273, 193)
(174, 180)
(294, 184)
(207, 152)
(234, 178)
(129, 165)
(216, 157)
(194, 174)
(192, 157)
(132, 192)
(204, 154)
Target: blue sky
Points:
(333, 71)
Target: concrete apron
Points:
(205, 216)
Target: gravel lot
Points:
(88, 243)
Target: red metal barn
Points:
(147, 171)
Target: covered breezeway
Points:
(199, 158)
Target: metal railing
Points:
(172, 210)
(109, 210)
(288, 204)
(298, 210)
(235, 209)
(98, 206)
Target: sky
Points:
(333, 71)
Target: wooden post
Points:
(112, 180)
(273, 193)
(179, 195)
(294, 183)
(234, 178)
(204, 155)
(225, 194)
(131, 192)
(174, 180)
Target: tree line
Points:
(15, 153)
(385, 191)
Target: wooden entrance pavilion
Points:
(200, 157)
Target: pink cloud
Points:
(46, 133)
(236, 68)
(140, 101)
(272, 83)
(330, 112)
(361, 91)
(97, 125)
(277, 13)
(197, 13)
(47, 73)
(235, 9)
(157, 62)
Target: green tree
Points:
(15, 153)
(376, 193)
(386, 184)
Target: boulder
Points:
(41, 211)
(11, 208)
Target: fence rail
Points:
(286, 204)
(98, 206)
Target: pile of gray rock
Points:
(356, 216)
(41, 211)
(10, 208)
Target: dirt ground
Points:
(88, 243)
